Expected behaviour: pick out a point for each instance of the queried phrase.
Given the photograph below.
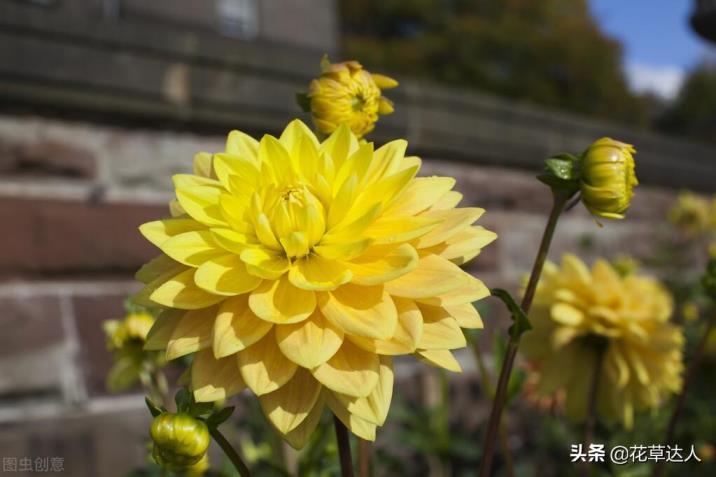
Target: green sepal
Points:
(562, 174)
(219, 417)
(519, 318)
(184, 400)
(153, 408)
(304, 102)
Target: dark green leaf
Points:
(153, 408)
(216, 419)
(304, 102)
(183, 400)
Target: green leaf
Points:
(219, 417)
(520, 321)
(153, 408)
(124, 374)
(183, 400)
(304, 102)
(200, 408)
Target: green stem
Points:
(230, 452)
(344, 448)
(486, 381)
(364, 451)
(511, 353)
(660, 468)
(591, 420)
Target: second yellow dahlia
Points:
(576, 308)
(345, 93)
(298, 268)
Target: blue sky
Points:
(659, 46)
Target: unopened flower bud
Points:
(608, 178)
(180, 440)
(347, 93)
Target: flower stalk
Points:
(498, 404)
(364, 451)
(659, 468)
(230, 452)
(590, 423)
(344, 448)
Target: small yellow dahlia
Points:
(690, 214)
(126, 339)
(134, 328)
(345, 93)
(574, 309)
(299, 268)
(608, 178)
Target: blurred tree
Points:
(548, 51)
(693, 113)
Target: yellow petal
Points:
(299, 436)
(157, 267)
(214, 379)
(236, 327)
(343, 251)
(289, 405)
(340, 144)
(264, 263)
(361, 311)
(388, 229)
(359, 427)
(192, 333)
(143, 296)
(319, 274)
(433, 276)
(464, 245)
(191, 180)
(381, 264)
(565, 314)
(441, 358)
(279, 301)
(471, 291)
(311, 342)
(161, 331)
(448, 201)
(225, 275)
(243, 145)
(452, 221)
(407, 332)
(191, 248)
(386, 160)
(373, 408)
(384, 82)
(295, 132)
(233, 241)
(440, 330)
(274, 155)
(419, 195)
(466, 315)
(202, 204)
(160, 231)
(263, 366)
(350, 371)
(181, 291)
(244, 169)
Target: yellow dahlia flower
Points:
(690, 214)
(345, 93)
(134, 328)
(125, 339)
(608, 178)
(298, 268)
(576, 307)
